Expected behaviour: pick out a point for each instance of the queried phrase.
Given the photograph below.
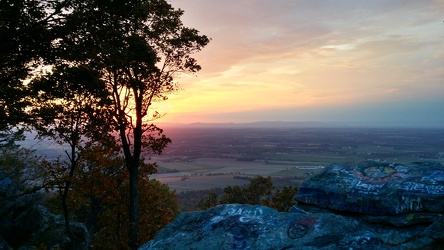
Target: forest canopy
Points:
(69, 67)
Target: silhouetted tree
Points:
(65, 106)
(27, 32)
(134, 47)
(138, 47)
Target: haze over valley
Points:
(204, 156)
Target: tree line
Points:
(85, 74)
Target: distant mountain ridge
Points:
(259, 124)
(287, 124)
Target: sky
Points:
(376, 62)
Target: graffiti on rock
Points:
(421, 187)
(409, 204)
(381, 174)
(434, 178)
(299, 228)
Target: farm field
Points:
(207, 173)
(205, 158)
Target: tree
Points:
(138, 47)
(23, 167)
(26, 36)
(282, 199)
(65, 106)
(211, 200)
(9, 136)
(100, 194)
(252, 193)
(259, 191)
(134, 47)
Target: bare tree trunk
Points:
(134, 204)
(93, 213)
(72, 166)
(64, 195)
(132, 163)
(134, 172)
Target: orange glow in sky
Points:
(313, 60)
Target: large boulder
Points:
(235, 226)
(26, 224)
(408, 197)
(376, 188)
(11, 199)
(369, 205)
(35, 226)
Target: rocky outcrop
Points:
(375, 188)
(406, 202)
(235, 226)
(26, 224)
(369, 205)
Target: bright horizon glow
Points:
(311, 60)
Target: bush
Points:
(282, 199)
(260, 191)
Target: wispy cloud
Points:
(296, 53)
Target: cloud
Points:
(301, 53)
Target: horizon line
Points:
(321, 124)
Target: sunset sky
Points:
(379, 61)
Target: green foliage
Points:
(109, 62)
(158, 206)
(65, 108)
(252, 193)
(282, 200)
(27, 32)
(25, 41)
(260, 191)
(137, 48)
(67, 104)
(23, 167)
(100, 197)
(211, 200)
(8, 136)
